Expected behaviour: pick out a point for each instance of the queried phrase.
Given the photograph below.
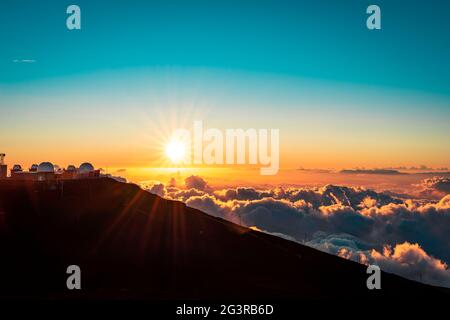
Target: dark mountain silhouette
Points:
(131, 244)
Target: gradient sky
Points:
(342, 96)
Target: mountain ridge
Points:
(131, 244)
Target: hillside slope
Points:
(134, 245)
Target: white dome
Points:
(46, 167)
(71, 168)
(17, 167)
(86, 168)
(33, 167)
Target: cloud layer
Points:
(434, 188)
(407, 237)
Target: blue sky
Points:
(315, 39)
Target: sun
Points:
(176, 151)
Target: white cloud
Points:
(24, 61)
(355, 223)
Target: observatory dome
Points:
(17, 167)
(46, 167)
(71, 168)
(86, 168)
(33, 168)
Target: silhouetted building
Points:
(18, 174)
(3, 171)
(87, 170)
(46, 171)
(3, 167)
(69, 174)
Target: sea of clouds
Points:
(409, 237)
